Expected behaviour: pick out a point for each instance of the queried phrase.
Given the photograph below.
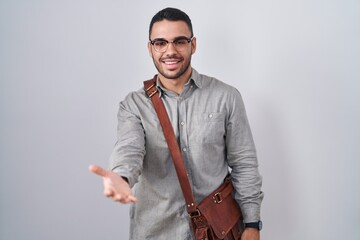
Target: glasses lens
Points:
(181, 44)
(160, 45)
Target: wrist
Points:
(254, 225)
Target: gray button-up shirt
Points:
(213, 132)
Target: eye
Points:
(160, 43)
(180, 42)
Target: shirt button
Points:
(184, 149)
(210, 115)
(182, 123)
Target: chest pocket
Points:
(208, 128)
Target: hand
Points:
(115, 187)
(250, 234)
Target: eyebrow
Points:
(163, 39)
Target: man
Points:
(211, 126)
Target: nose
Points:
(170, 49)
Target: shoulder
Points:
(136, 96)
(213, 84)
(134, 101)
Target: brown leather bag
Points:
(218, 216)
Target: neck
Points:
(176, 85)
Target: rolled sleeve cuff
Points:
(131, 180)
(251, 213)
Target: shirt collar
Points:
(195, 78)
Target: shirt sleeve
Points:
(127, 156)
(242, 159)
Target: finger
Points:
(123, 198)
(108, 193)
(98, 170)
(132, 198)
(119, 198)
(128, 200)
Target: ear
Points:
(150, 49)
(193, 46)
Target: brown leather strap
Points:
(153, 93)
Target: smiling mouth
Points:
(171, 61)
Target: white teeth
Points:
(170, 62)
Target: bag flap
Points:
(221, 215)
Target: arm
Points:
(127, 156)
(241, 155)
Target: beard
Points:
(178, 74)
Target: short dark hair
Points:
(171, 14)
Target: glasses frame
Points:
(152, 42)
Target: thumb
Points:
(98, 170)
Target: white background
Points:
(65, 65)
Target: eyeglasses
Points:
(180, 44)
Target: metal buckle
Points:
(195, 214)
(217, 197)
(152, 85)
(153, 93)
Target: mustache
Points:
(174, 56)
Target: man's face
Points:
(172, 63)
